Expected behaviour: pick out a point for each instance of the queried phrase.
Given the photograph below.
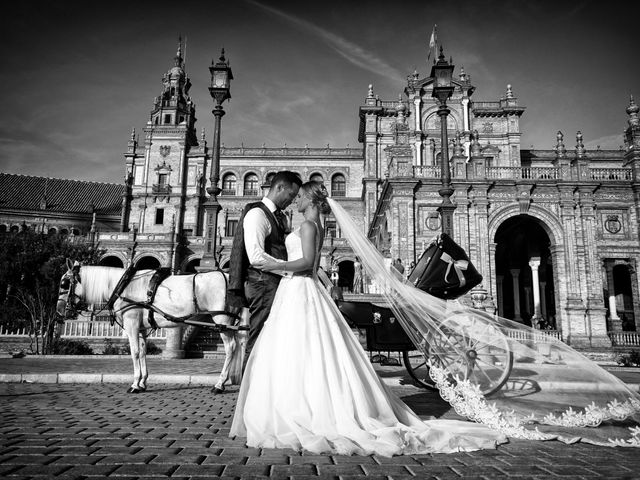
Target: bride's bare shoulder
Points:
(308, 227)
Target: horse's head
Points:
(70, 292)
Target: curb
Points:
(106, 378)
(199, 379)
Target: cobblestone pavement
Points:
(73, 431)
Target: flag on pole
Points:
(433, 43)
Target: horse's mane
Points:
(98, 282)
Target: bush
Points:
(152, 349)
(63, 346)
(629, 360)
(110, 348)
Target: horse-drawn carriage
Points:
(443, 271)
(467, 346)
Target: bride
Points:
(309, 385)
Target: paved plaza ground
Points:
(178, 429)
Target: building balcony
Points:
(338, 193)
(228, 192)
(160, 189)
(253, 192)
(470, 171)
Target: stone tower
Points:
(165, 178)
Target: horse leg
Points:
(227, 340)
(144, 374)
(131, 322)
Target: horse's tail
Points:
(237, 357)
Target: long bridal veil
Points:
(501, 373)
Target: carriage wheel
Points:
(481, 356)
(418, 369)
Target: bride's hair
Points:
(318, 194)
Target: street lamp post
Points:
(442, 72)
(221, 77)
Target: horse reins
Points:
(117, 294)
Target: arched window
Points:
(64, 232)
(251, 185)
(3, 229)
(316, 177)
(229, 184)
(75, 231)
(338, 185)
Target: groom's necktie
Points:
(281, 218)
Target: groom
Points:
(258, 238)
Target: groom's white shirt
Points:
(257, 228)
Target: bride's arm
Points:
(308, 232)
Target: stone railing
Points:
(427, 171)
(611, 174)
(625, 339)
(89, 329)
(291, 151)
(542, 336)
(82, 329)
(522, 173)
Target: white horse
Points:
(178, 299)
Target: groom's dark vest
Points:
(239, 262)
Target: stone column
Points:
(596, 311)
(500, 294)
(534, 263)
(173, 347)
(543, 300)
(515, 272)
(572, 310)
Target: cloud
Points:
(608, 142)
(350, 51)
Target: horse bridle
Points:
(67, 288)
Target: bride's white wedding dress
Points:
(309, 385)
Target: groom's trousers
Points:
(260, 290)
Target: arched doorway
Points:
(111, 261)
(524, 273)
(147, 263)
(624, 297)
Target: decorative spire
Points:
(400, 108)
(476, 149)
(202, 136)
(632, 111)
(370, 93)
(133, 134)
(560, 149)
(580, 150)
(462, 76)
(458, 149)
(509, 91)
(178, 57)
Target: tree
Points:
(31, 266)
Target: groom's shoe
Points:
(217, 391)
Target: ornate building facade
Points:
(554, 232)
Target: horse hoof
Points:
(133, 390)
(142, 389)
(216, 390)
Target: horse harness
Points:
(159, 275)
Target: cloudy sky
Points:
(76, 77)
